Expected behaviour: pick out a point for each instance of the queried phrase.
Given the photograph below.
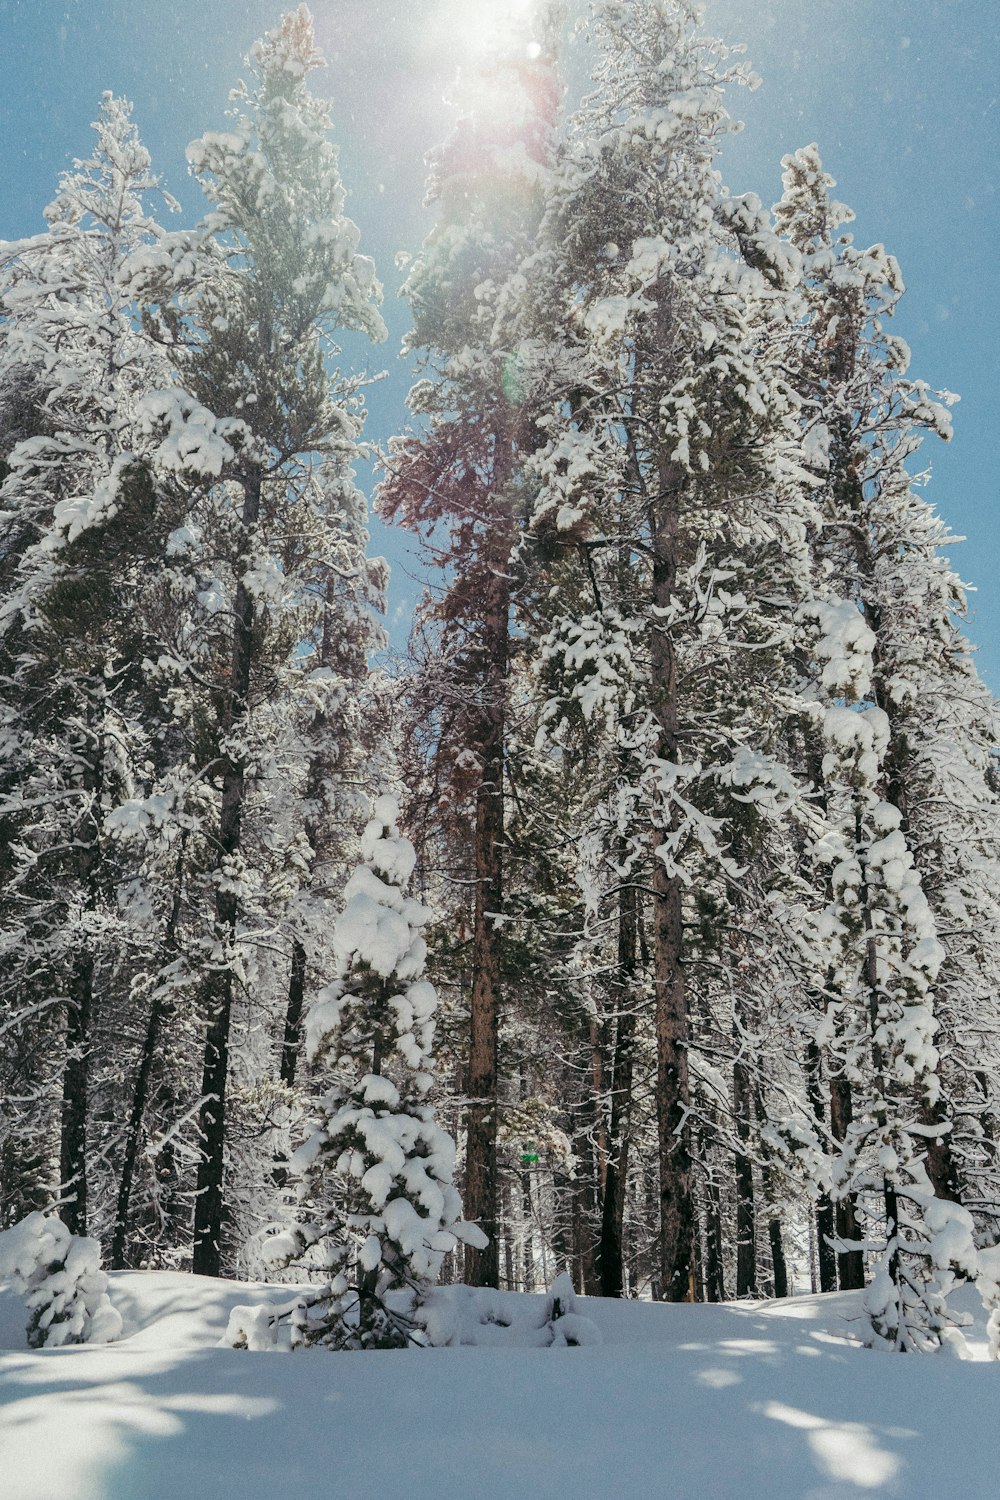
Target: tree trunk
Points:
(481, 1266)
(157, 1013)
(939, 1158)
(293, 1014)
(825, 1227)
(599, 1047)
(508, 1246)
(587, 1199)
(715, 1285)
(316, 832)
(139, 1095)
(527, 1237)
(75, 1096)
(778, 1257)
(851, 1266)
(673, 1095)
(209, 1203)
(80, 992)
(889, 1196)
(746, 1224)
(779, 1268)
(610, 1255)
(481, 1174)
(850, 1263)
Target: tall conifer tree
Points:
(252, 300)
(79, 524)
(463, 470)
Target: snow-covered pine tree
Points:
(884, 638)
(251, 301)
(884, 959)
(669, 471)
(330, 739)
(332, 724)
(378, 1204)
(60, 1278)
(80, 523)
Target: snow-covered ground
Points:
(768, 1400)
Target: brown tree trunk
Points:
(508, 1245)
(293, 1014)
(850, 1263)
(825, 1227)
(209, 1203)
(157, 1012)
(150, 1048)
(673, 1094)
(80, 994)
(610, 1255)
(481, 1266)
(715, 1285)
(75, 1096)
(939, 1158)
(598, 1037)
(889, 1196)
(527, 1240)
(746, 1219)
(778, 1257)
(779, 1267)
(481, 1175)
(316, 833)
(587, 1198)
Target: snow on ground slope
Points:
(767, 1400)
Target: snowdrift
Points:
(771, 1400)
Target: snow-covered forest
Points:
(637, 934)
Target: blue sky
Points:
(902, 97)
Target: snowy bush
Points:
(441, 1317)
(929, 1250)
(333, 1315)
(60, 1278)
(453, 1315)
(989, 1290)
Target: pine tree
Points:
(669, 425)
(80, 524)
(463, 468)
(58, 1274)
(887, 641)
(251, 301)
(378, 1205)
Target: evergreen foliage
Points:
(59, 1276)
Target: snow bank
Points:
(765, 1401)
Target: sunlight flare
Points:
(473, 29)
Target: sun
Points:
(474, 29)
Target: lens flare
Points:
(469, 30)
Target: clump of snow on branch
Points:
(843, 646)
